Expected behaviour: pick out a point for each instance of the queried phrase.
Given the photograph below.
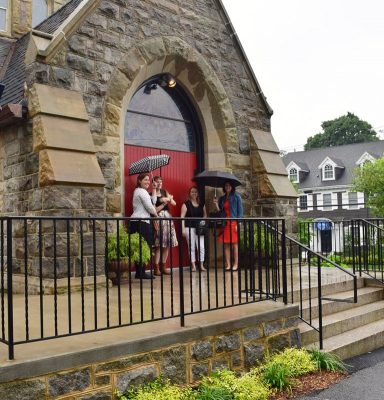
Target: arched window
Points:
(161, 117)
(328, 172)
(293, 175)
(39, 11)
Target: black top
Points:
(193, 212)
(159, 202)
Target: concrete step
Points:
(337, 323)
(356, 341)
(365, 295)
(342, 284)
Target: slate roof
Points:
(15, 74)
(344, 156)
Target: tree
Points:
(370, 180)
(343, 130)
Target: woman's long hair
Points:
(233, 189)
(189, 194)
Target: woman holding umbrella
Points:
(143, 208)
(232, 205)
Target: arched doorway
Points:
(162, 120)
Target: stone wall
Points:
(183, 363)
(89, 58)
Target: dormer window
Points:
(293, 175)
(365, 159)
(4, 10)
(328, 172)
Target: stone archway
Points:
(169, 55)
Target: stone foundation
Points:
(184, 357)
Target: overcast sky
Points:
(315, 60)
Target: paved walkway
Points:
(366, 381)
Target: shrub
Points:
(251, 387)
(131, 247)
(223, 379)
(327, 361)
(296, 361)
(277, 376)
(159, 389)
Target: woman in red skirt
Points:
(232, 205)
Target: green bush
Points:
(327, 361)
(159, 389)
(129, 247)
(250, 387)
(262, 235)
(297, 361)
(277, 376)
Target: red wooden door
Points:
(177, 179)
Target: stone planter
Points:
(119, 269)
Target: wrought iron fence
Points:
(56, 273)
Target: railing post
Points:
(181, 276)
(10, 290)
(284, 262)
(319, 295)
(353, 246)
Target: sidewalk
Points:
(366, 381)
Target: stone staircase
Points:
(349, 329)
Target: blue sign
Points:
(323, 225)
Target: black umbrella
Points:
(148, 164)
(216, 179)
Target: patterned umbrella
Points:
(148, 164)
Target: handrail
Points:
(320, 258)
(369, 223)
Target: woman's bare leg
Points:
(227, 255)
(235, 249)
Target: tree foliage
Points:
(370, 180)
(343, 130)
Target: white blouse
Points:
(142, 204)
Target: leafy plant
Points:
(327, 361)
(277, 376)
(262, 239)
(213, 393)
(159, 389)
(251, 387)
(131, 247)
(296, 361)
(305, 230)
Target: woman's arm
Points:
(183, 213)
(204, 212)
(169, 198)
(240, 210)
(147, 202)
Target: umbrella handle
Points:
(215, 192)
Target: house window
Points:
(293, 175)
(303, 203)
(327, 202)
(352, 200)
(328, 172)
(4, 9)
(39, 11)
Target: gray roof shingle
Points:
(344, 156)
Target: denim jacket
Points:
(235, 205)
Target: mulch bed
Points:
(308, 383)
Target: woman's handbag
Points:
(201, 228)
(217, 214)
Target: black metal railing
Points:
(356, 243)
(368, 243)
(57, 272)
(306, 274)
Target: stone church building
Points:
(91, 86)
